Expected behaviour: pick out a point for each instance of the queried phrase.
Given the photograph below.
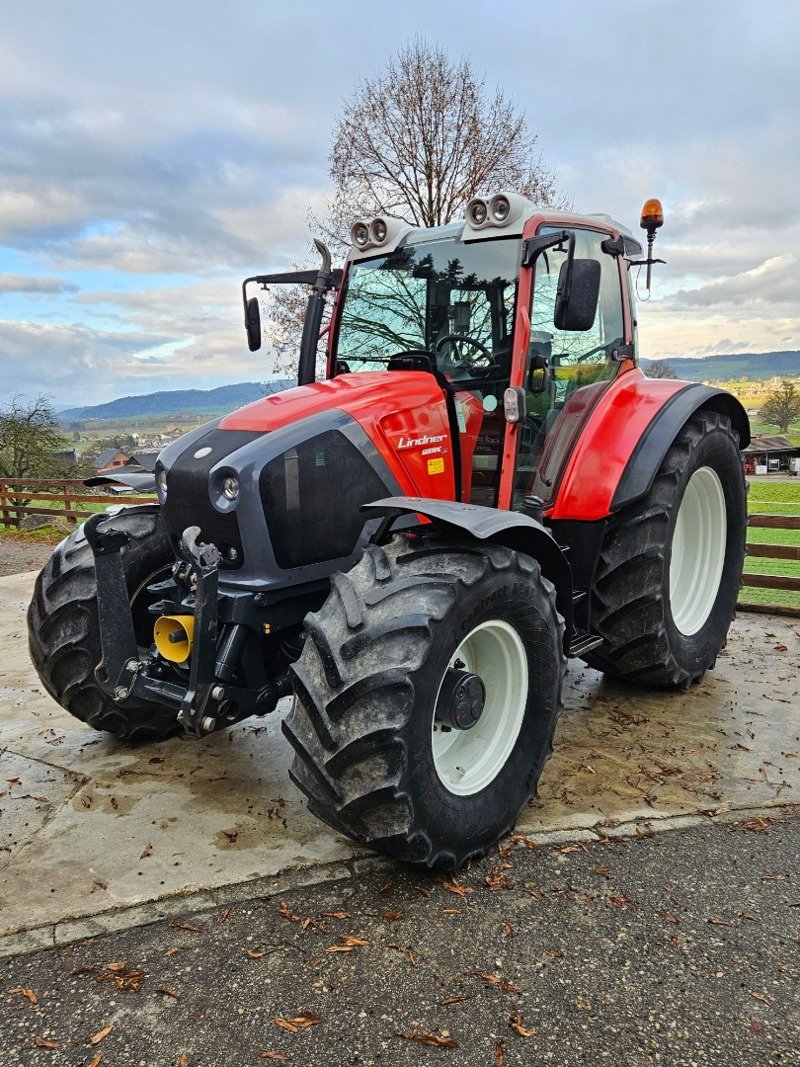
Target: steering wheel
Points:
(489, 362)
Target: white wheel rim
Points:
(467, 761)
(698, 551)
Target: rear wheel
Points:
(427, 695)
(64, 629)
(670, 568)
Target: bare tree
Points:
(659, 368)
(29, 438)
(782, 406)
(417, 142)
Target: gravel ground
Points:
(677, 949)
(18, 555)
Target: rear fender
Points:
(646, 459)
(624, 441)
(510, 528)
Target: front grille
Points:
(187, 502)
(311, 496)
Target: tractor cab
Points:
(523, 316)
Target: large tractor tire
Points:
(393, 652)
(64, 630)
(670, 568)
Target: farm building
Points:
(769, 454)
(110, 458)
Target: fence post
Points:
(71, 520)
(5, 511)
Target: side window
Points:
(585, 355)
(566, 370)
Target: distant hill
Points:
(753, 365)
(178, 402)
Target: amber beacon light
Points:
(651, 219)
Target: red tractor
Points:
(483, 485)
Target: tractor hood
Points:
(402, 412)
(278, 486)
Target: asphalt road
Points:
(682, 948)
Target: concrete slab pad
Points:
(127, 825)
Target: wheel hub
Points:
(462, 698)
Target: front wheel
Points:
(64, 626)
(670, 568)
(427, 695)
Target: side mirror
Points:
(253, 324)
(537, 379)
(577, 295)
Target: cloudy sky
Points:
(153, 154)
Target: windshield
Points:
(452, 303)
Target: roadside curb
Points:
(68, 931)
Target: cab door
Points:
(565, 371)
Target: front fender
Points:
(510, 528)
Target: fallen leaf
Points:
(393, 916)
(386, 889)
(297, 1022)
(456, 999)
(339, 948)
(553, 954)
(451, 911)
(256, 953)
(42, 1042)
(499, 1054)
(286, 911)
(23, 991)
(98, 1037)
(186, 926)
(119, 966)
(425, 1037)
(515, 1022)
(146, 851)
(762, 998)
(508, 930)
(183, 1060)
(604, 872)
(713, 921)
(169, 993)
(352, 940)
(757, 824)
(96, 1060)
(668, 917)
(622, 901)
(454, 886)
(224, 915)
(498, 980)
(527, 842)
(336, 914)
(270, 1054)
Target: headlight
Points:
(378, 231)
(161, 481)
(230, 488)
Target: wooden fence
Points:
(772, 581)
(62, 499)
